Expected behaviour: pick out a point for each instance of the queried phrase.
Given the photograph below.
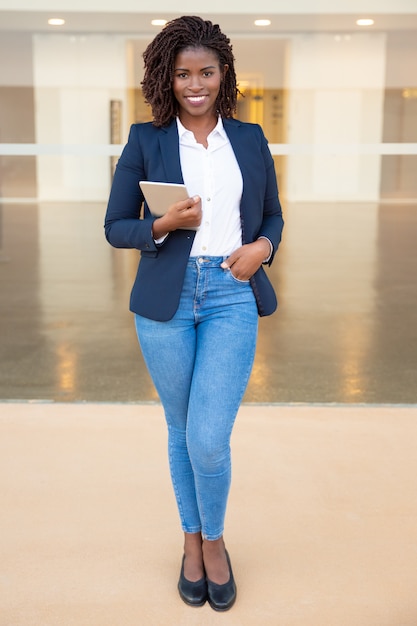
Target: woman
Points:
(200, 284)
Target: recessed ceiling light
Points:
(365, 22)
(56, 21)
(159, 22)
(262, 22)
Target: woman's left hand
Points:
(247, 259)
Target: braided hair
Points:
(159, 57)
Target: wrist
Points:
(266, 247)
(159, 230)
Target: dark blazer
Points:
(153, 154)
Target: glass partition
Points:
(338, 104)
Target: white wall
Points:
(335, 89)
(335, 96)
(75, 79)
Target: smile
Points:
(196, 99)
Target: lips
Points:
(196, 99)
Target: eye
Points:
(208, 73)
(181, 75)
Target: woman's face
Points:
(196, 84)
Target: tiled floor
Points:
(345, 332)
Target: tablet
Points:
(160, 196)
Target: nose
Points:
(195, 83)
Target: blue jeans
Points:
(200, 362)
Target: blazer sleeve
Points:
(124, 226)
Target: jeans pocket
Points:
(237, 280)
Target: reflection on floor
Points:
(345, 331)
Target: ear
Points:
(225, 68)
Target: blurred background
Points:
(334, 86)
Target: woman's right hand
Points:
(183, 214)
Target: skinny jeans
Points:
(200, 362)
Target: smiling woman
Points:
(161, 60)
(200, 284)
(196, 86)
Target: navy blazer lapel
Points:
(170, 152)
(232, 127)
(233, 131)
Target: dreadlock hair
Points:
(159, 57)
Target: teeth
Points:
(196, 98)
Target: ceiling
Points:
(138, 24)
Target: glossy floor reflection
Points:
(345, 331)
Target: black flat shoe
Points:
(222, 597)
(192, 593)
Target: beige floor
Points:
(322, 522)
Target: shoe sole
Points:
(221, 609)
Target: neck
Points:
(197, 125)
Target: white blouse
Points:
(213, 174)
